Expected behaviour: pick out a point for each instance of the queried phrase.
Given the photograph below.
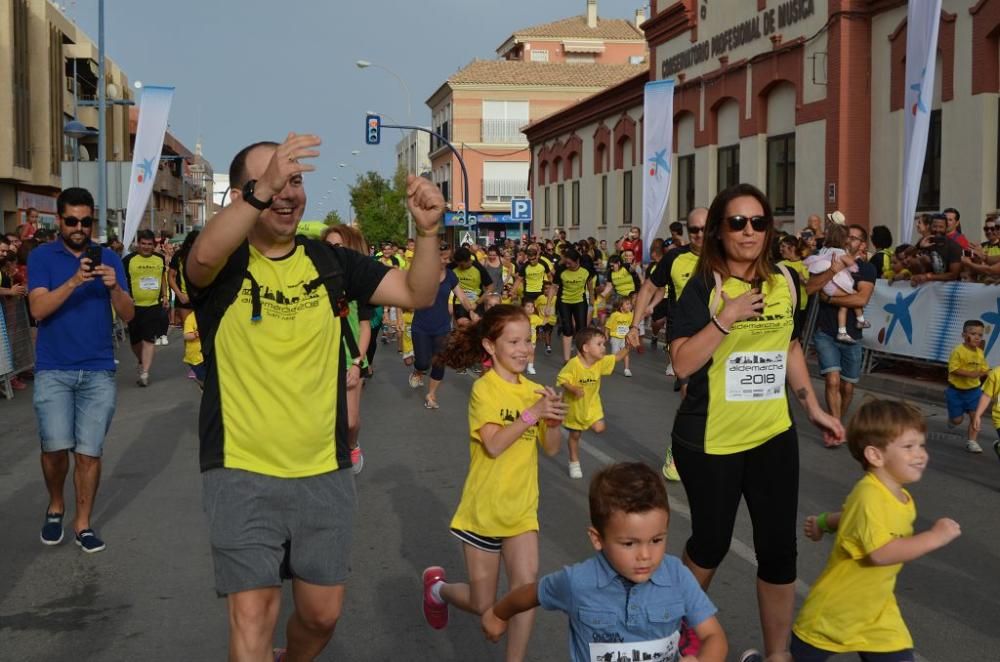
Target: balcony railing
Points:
(506, 131)
(503, 190)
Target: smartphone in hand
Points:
(93, 253)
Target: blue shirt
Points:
(77, 336)
(435, 321)
(610, 618)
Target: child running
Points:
(545, 306)
(581, 379)
(989, 400)
(497, 518)
(192, 350)
(617, 326)
(536, 322)
(616, 600)
(852, 606)
(966, 368)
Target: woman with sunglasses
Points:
(735, 337)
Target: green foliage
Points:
(380, 206)
(333, 218)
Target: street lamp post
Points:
(364, 64)
(102, 147)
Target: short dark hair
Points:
(74, 197)
(861, 229)
(571, 254)
(939, 216)
(462, 254)
(145, 235)
(584, 336)
(627, 487)
(972, 323)
(676, 227)
(878, 423)
(881, 237)
(952, 210)
(238, 167)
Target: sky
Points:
(254, 70)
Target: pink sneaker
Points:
(435, 612)
(17, 384)
(689, 644)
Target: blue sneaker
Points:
(52, 531)
(89, 542)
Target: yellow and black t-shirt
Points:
(274, 400)
(473, 280)
(737, 400)
(572, 284)
(674, 270)
(145, 278)
(177, 264)
(624, 280)
(534, 276)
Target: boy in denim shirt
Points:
(630, 597)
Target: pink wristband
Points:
(528, 417)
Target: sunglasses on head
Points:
(758, 223)
(694, 230)
(72, 221)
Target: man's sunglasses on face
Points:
(695, 230)
(72, 221)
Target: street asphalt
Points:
(149, 595)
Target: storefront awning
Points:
(578, 46)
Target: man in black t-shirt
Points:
(940, 256)
(840, 362)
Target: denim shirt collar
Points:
(606, 574)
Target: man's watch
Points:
(249, 196)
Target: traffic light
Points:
(373, 129)
(460, 218)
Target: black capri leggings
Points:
(572, 318)
(768, 478)
(425, 346)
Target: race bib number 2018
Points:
(755, 376)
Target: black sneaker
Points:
(52, 531)
(89, 542)
(996, 448)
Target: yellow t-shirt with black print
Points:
(967, 360)
(500, 496)
(535, 321)
(573, 284)
(145, 278)
(541, 303)
(618, 324)
(586, 410)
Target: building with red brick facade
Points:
(802, 98)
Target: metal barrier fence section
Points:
(17, 350)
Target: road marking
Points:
(736, 546)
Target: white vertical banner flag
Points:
(657, 148)
(922, 20)
(154, 109)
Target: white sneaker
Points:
(628, 373)
(574, 470)
(531, 369)
(973, 446)
(670, 370)
(415, 380)
(166, 341)
(143, 379)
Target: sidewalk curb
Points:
(923, 392)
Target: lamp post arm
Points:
(402, 83)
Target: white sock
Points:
(531, 366)
(860, 318)
(841, 329)
(436, 591)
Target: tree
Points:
(333, 218)
(380, 207)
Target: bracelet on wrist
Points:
(433, 232)
(528, 417)
(718, 325)
(824, 526)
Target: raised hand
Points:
(285, 164)
(743, 307)
(425, 202)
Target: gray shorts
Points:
(251, 515)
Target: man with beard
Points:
(71, 295)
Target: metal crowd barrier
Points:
(17, 350)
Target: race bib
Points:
(621, 330)
(149, 283)
(660, 650)
(755, 376)
(473, 296)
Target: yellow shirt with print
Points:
(852, 606)
(587, 410)
(500, 497)
(967, 360)
(407, 332)
(803, 272)
(992, 389)
(573, 284)
(298, 333)
(145, 275)
(192, 348)
(681, 270)
(618, 324)
(541, 303)
(535, 321)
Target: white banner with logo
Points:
(6, 357)
(154, 110)
(922, 19)
(926, 322)
(657, 148)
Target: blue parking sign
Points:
(520, 210)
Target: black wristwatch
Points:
(249, 196)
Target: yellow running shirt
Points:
(737, 400)
(967, 360)
(500, 497)
(803, 272)
(618, 324)
(992, 389)
(145, 278)
(534, 276)
(852, 606)
(535, 321)
(584, 412)
(572, 284)
(541, 303)
(192, 348)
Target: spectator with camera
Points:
(937, 257)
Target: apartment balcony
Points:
(504, 132)
(499, 192)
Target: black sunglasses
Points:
(694, 230)
(989, 228)
(758, 223)
(72, 221)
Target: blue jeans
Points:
(841, 357)
(425, 347)
(74, 409)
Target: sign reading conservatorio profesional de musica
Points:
(764, 24)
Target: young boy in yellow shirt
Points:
(192, 349)
(989, 400)
(545, 306)
(616, 327)
(966, 368)
(852, 606)
(536, 322)
(581, 380)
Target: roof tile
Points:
(556, 74)
(575, 27)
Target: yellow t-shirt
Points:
(573, 284)
(540, 304)
(500, 497)
(535, 321)
(192, 348)
(803, 270)
(407, 332)
(618, 324)
(587, 410)
(991, 250)
(852, 606)
(145, 278)
(970, 360)
(992, 389)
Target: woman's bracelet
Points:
(718, 325)
(429, 233)
(822, 523)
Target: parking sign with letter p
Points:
(520, 209)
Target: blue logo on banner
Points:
(900, 311)
(992, 317)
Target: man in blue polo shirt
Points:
(75, 390)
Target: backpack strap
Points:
(331, 274)
(210, 305)
(794, 291)
(715, 299)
